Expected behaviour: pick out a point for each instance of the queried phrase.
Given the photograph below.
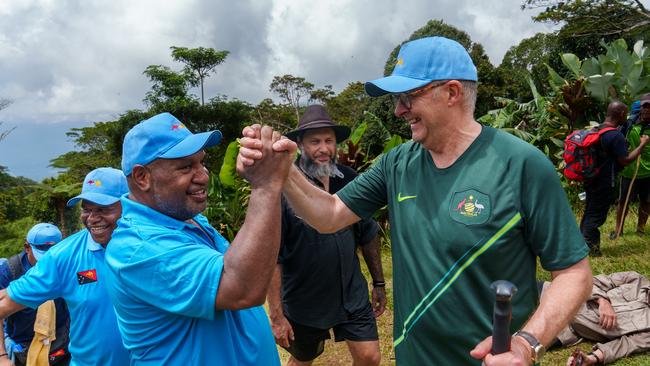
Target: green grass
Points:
(629, 253)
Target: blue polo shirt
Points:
(74, 269)
(20, 325)
(163, 279)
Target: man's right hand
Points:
(644, 140)
(282, 330)
(269, 167)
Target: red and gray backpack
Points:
(581, 150)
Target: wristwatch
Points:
(537, 348)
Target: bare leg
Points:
(364, 353)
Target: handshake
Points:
(265, 157)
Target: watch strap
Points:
(536, 347)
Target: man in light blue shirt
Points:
(182, 294)
(74, 270)
(19, 327)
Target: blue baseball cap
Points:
(162, 136)
(41, 237)
(102, 186)
(422, 61)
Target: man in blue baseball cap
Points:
(468, 205)
(182, 293)
(74, 270)
(19, 327)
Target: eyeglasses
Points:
(406, 99)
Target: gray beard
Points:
(315, 170)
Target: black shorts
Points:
(309, 342)
(640, 190)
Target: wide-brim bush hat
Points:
(316, 117)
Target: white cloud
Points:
(66, 61)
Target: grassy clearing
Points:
(629, 253)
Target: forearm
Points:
(371, 252)
(633, 155)
(7, 308)
(321, 210)
(568, 291)
(274, 295)
(250, 261)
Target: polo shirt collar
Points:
(136, 211)
(92, 245)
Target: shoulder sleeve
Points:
(41, 283)
(367, 192)
(365, 230)
(616, 144)
(176, 274)
(550, 225)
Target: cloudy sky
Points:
(70, 63)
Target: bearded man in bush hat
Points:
(317, 284)
(468, 205)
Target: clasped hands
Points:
(265, 156)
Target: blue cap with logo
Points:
(422, 61)
(162, 136)
(41, 237)
(102, 186)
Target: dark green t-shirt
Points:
(634, 140)
(456, 230)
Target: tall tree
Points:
(291, 89)
(529, 57)
(595, 17)
(199, 63)
(168, 87)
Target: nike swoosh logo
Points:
(401, 198)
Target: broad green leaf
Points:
(637, 86)
(572, 62)
(557, 142)
(598, 86)
(640, 51)
(395, 140)
(590, 67)
(554, 78)
(358, 132)
(228, 173)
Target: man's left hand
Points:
(519, 354)
(607, 314)
(378, 301)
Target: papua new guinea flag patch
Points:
(87, 276)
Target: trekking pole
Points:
(619, 229)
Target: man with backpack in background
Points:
(636, 175)
(19, 327)
(611, 158)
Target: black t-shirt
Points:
(321, 277)
(613, 147)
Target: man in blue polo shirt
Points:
(19, 327)
(182, 294)
(74, 270)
